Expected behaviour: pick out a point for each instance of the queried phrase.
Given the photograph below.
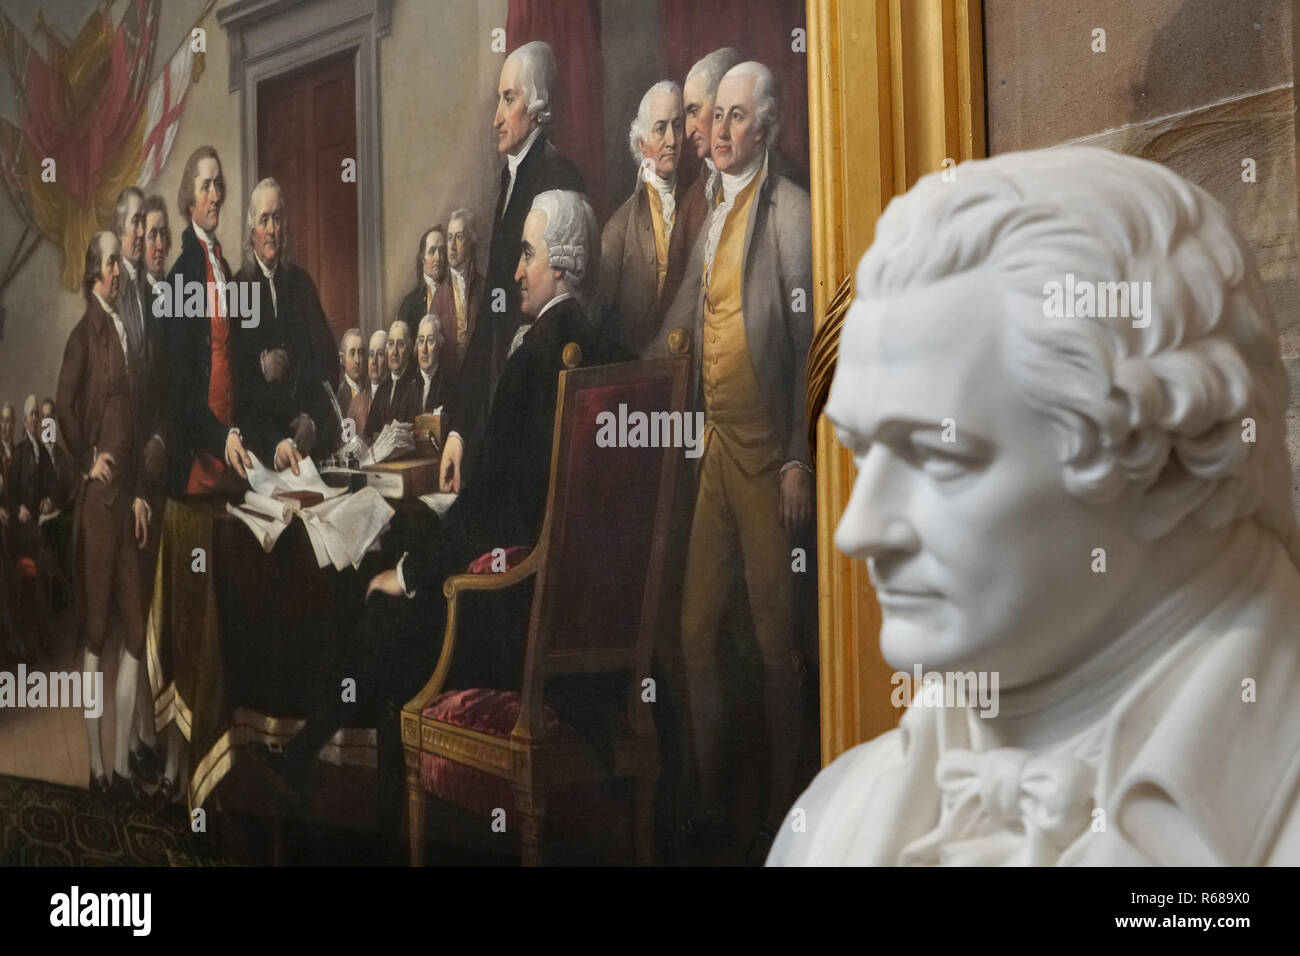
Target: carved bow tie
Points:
(1006, 806)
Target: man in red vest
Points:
(201, 380)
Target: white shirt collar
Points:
(428, 280)
(266, 270)
(732, 185)
(660, 184)
(203, 236)
(130, 269)
(514, 161)
(556, 301)
(374, 388)
(354, 386)
(427, 376)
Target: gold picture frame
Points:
(895, 89)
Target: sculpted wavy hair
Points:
(1163, 405)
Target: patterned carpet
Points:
(46, 824)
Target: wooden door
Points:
(306, 128)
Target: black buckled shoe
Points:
(127, 795)
(100, 789)
(145, 763)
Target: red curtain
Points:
(572, 29)
(762, 31)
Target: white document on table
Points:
(267, 530)
(344, 528)
(267, 481)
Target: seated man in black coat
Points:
(501, 506)
(534, 165)
(284, 364)
(398, 399)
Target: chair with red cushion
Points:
(596, 571)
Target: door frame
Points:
(269, 38)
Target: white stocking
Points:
(90, 668)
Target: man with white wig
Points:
(697, 199)
(533, 165)
(1086, 494)
(745, 300)
(504, 503)
(636, 241)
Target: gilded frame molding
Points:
(909, 75)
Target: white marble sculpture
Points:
(1084, 488)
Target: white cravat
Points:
(217, 274)
(712, 180)
(428, 380)
(432, 286)
(512, 163)
(134, 286)
(462, 315)
(270, 280)
(731, 188)
(1010, 806)
(121, 329)
(667, 201)
(354, 386)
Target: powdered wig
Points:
(713, 67)
(1163, 405)
(470, 221)
(267, 183)
(119, 211)
(572, 238)
(537, 74)
(641, 124)
(765, 106)
(435, 326)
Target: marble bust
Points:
(1061, 383)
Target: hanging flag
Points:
(166, 102)
(82, 112)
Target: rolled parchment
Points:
(268, 506)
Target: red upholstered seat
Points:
(487, 711)
(27, 567)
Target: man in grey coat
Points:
(746, 299)
(635, 243)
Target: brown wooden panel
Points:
(306, 124)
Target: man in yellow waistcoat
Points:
(747, 300)
(637, 238)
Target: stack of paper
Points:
(342, 528)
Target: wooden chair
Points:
(596, 571)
